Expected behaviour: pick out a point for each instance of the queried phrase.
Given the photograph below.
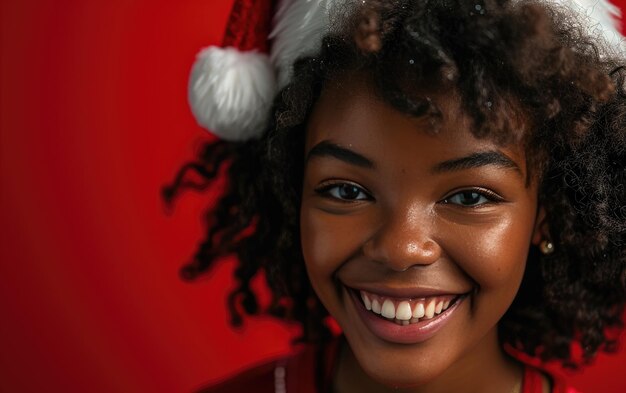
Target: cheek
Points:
(316, 244)
(327, 240)
(493, 255)
(320, 251)
(328, 243)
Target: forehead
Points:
(349, 113)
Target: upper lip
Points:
(406, 292)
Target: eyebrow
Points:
(329, 149)
(476, 160)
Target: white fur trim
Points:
(299, 26)
(231, 92)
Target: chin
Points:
(403, 378)
(400, 371)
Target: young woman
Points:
(445, 179)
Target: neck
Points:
(484, 369)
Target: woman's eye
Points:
(344, 192)
(469, 198)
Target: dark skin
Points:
(388, 204)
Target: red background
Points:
(94, 120)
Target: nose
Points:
(404, 239)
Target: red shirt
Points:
(296, 374)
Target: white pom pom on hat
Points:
(232, 88)
(231, 92)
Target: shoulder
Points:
(292, 373)
(260, 378)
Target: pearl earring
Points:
(546, 247)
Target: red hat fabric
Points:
(249, 25)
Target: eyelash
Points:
(325, 190)
(491, 197)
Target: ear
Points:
(541, 230)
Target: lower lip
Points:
(410, 334)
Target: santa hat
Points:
(232, 87)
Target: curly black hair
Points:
(507, 60)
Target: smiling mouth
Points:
(406, 311)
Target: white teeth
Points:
(419, 310)
(366, 301)
(429, 311)
(388, 310)
(403, 312)
(376, 306)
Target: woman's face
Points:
(415, 242)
